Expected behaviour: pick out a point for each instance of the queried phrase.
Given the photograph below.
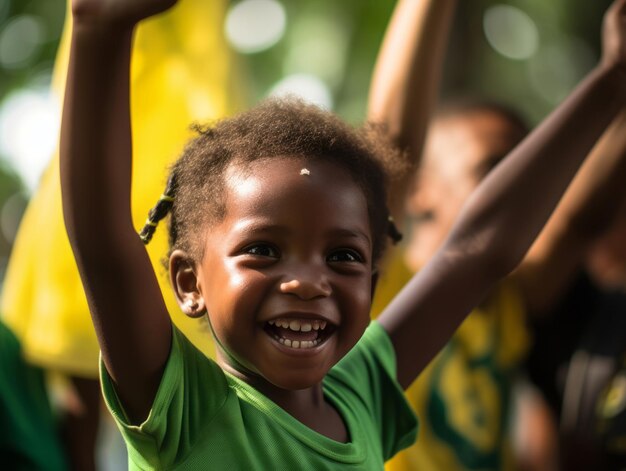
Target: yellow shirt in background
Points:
(182, 71)
(462, 397)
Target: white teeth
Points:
(303, 344)
(298, 325)
(298, 344)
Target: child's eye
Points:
(262, 250)
(345, 255)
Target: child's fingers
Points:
(619, 6)
(616, 13)
(614, 34)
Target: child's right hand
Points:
(117, 12)
(614, 35)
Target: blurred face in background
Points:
(606, 261)
(461, 148)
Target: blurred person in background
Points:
(464, 397)
(183, 58)
(606, 260)
(29, 435)
(582, 370)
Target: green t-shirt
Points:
(204, 418)
(29, 438)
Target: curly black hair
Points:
(194, 195)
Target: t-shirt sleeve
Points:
(369, 370)
(192, 390)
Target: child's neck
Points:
(308, 406)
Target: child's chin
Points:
(298, 380)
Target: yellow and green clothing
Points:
(203, 418)
(29, 439)
(462, 397)
(182, 71)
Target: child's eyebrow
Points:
(259, 226)
(350, 233)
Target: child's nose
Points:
(306, 288)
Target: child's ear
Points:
(185, 283)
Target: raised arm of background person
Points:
(406, 79)
(506, 212)
(125, 301)
(585, 212)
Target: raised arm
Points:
(586, 211)
(506, 212)
(405, 83)
(125, 301)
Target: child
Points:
(278, 218)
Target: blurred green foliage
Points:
(473, 67)
(569, 45)
(12, 203)
(48, 16)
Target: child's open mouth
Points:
(299, 333)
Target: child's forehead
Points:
(277, 167)
(269, 182)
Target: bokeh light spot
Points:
(559, 66)
(255, 25)
(318, 46)
(29, 125)
(511, 32)
(308, 87)
(20, 40)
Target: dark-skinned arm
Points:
(587, 210)
(128, 311)
(507, 211)
(406, 79)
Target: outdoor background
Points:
(526, 53)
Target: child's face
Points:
(294, 248)
(457, 156)
(606, 260)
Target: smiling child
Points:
(278, 218)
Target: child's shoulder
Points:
(189, 377)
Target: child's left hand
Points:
(614, 35)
